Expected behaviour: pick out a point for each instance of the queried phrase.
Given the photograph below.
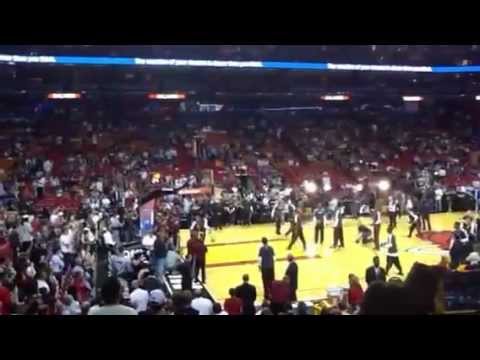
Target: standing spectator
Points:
(197, 249)
(111, 295)
(185, 269)
(6, 251)
(233, 305)
(355, 294)
(266, 257)
(247, 294)
(67, 247)
(280, 295)
(24, 231)
(172, 260)
(375, 272)
(159, 255)
(292, 273)
(57, 264)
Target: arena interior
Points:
(239, 180)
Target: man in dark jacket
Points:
(292, 273)
(248, 294)
(392, 252)
(375, 272)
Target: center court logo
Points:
(426, 250)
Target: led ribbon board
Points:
(286, 65)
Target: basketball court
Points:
(233, 252)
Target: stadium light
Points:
(477, 97)
(412, 98)
(358, 187)
(174, 96)
(64, 96)
(383, 185)
(310, 186)
(335, 97)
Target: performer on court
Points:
(297, 231)
(392, 211)
(392, 253)
(377, 223)
(277, 215)
(364, 234)
(338, 228)
(320, 220)
(414, 220)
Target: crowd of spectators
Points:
(71, 200)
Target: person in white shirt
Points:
(106, 202)
(148, 240)
(47, 166)
(67, 246)
(108, 237)
(56, 264)
(139, 297)
(172, 259)
(25, 234)
(203, 305)
(111, 294)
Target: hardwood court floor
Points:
(233, 252)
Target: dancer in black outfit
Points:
(297, 230)
(319, 215)
(277, 215)
(414, 221)
(338, 228)
(377, 223)
(392, 253)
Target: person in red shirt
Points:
(355, 293)
(5, 297)
(197, 249)
(6, 251)
(233, 305)
(280, 295)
